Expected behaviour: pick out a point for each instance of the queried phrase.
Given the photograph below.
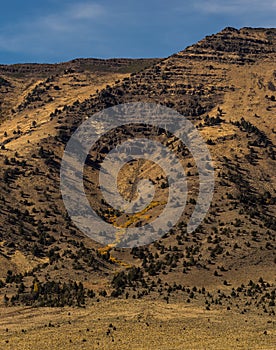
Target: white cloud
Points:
(54, 23)
(72, 17)
(235, 7)
(86, 11)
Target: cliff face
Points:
(235, 46)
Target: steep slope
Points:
(225, 84)
(31, 92)
(30, 95)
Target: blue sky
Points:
(60, 30)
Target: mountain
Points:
(225, 84)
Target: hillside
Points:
(226, 85)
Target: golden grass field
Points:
(135, 324)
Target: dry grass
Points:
(135, 325)
(70, 91)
